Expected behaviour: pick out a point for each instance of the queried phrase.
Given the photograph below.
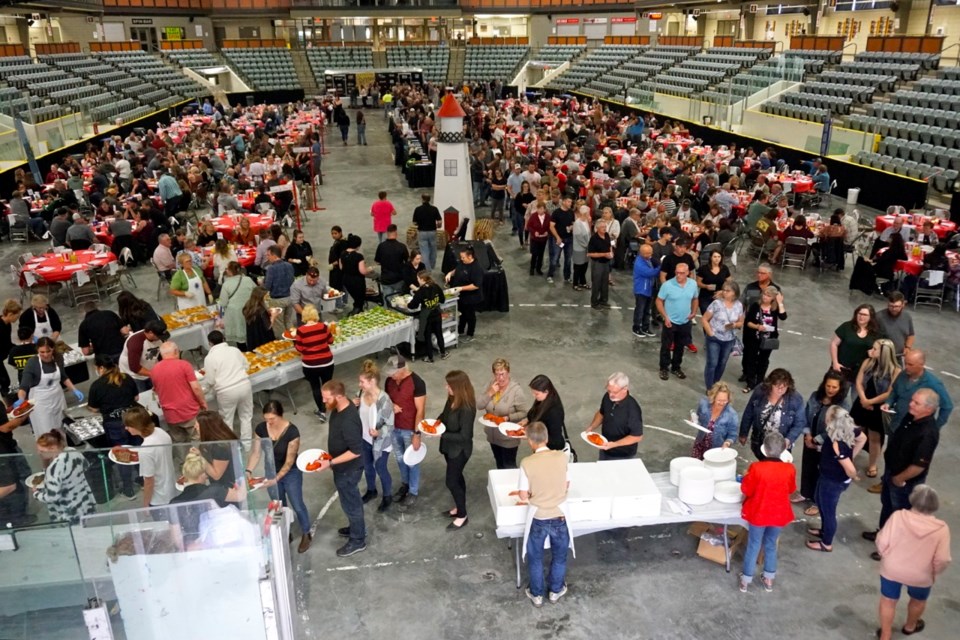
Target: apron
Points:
(195, 296)
(526, 529)
(41, 329)
(49, 402)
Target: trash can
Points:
(852, 195)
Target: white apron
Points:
(546, 543)
(195, 296)
(41, 329)
(49, 403)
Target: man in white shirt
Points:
(531, 176)
(225, 373)
(163, 256)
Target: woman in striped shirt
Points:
(313, 341)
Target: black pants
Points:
(505, 457)
(317, 377)
(599, 282)
(468, 317)
(4, 378)
(433, 328)
(580, 275)
(756, 361)
(537, 249)
(456, 483)
(809, 472)
(357, 288)
(676, 336)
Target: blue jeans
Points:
(348, 488)
(540, 530)
(428, 248)
(718, 352)
(828, 497)
(373, 468)
(555, 252)
(289, 491)
(641, 313)
(361, 134)
(767, 538)
(409, 476)
(894, 498)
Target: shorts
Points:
(890, 589)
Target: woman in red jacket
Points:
(538, 226)
(766, 508)
(313, 341)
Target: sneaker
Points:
(549, 280)
(567, 281)
(444, 355)
(767, 584)
(428, 360)
(554, 598)
(401, 493)
(368, 496)
(351, 548)
(692, 348)
(648, 333)
(321, 416)
(385, 504)
(410, 500)
(344, 531)
(466, 339)
(664, 374)
(639, 334)
(743, 584)
(536, 600)
(679, 373)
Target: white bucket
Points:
(852, 194)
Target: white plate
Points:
(787, 457)
(506, 426)
(259, 484)
(487, 423)
(326, 297)
(728, 492)
(308, 456)
(291, 337)
(441, 428)
(32, 477)
(22, 415)
(583, 436)
(412, 458)
(719, 455)
(890, 411)
(126, 464)
(696, 426)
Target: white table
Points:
(713, 512)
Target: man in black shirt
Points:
(468, 275)
(908, 456)
(427, 219)
(21, 353)
(333, 259)
(620, 420)
(668, 265)
(600, 253)
(101, 332)
(345, 445)
(561, 239)
(391, 255)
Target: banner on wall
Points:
(631, 20)
(568, 20)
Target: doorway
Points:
(147, 38)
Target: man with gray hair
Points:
(908, 456)
(179, 395)
(751, 293)
(620, 420)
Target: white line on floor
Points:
(323, 512)
(795, 333)
(952, 375)
(676, 433)
(382, 565)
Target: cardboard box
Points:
(736, 537)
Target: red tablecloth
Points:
(102, 231)
(803, 185)
(943, 228)
(226, 224)
(50, 267)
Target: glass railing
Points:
(154, 570)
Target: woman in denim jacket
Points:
(775, 405)
(714, 412)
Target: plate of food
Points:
(290, 334)
(23, 410)
(34, 480)
(124, 455)
(309, 461)
(332, 294)
(490, 420)
(431, 427)
(255, 483)
(512, 430)
(593, 439)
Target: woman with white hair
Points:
(842, 440)
(914, 549)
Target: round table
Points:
(798, 185)
(942, 228)
(50, 267)
(226, 224)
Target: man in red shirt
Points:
(382, 211)
(179, 395)
(408, 392)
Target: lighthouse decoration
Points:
(452, 186)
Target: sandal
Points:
(916, 629)
(817, 545)
(871, 472)
(816, 533)
(812, 511)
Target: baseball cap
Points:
(394, 364)
(313, 272)
(517, 166)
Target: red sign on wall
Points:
(568, 20)
(623, 20)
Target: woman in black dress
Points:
(110, 395)
(873, 384)
(354, 271)
(299, 254)
(520, 202)
(259, 319)
(456, 443)
(548, 409)
(762, 320)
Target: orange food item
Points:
(517, 433)
(514, 493)
(426, 427)
(494, 419)
(22, 409)
(122, 454)
(253, 482)
(313, 466)
(595, 439)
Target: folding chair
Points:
(928, 293)
(795, 253)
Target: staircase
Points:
(455, 67)
(304, 73)
(380, 59)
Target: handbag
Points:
(769, 343)
(567, 447)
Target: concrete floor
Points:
(416, 579)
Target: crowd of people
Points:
(667, 214)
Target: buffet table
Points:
(713, 512)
